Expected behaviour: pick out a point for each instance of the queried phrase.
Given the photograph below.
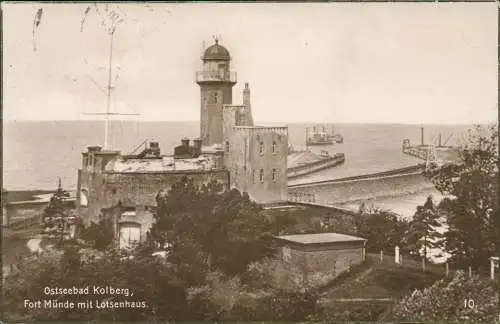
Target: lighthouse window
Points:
(216, 97)
(261, 175)
(274, 146)
(227, 146)
(275, 174)
(261, 147)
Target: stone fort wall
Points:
(137, 189)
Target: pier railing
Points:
(301, 197)
(24, 223)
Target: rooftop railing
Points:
(221, 76)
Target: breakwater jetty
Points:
(304, 163)
(336, 191)
(18, 215)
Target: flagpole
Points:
(108, 102)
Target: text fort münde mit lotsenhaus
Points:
(101, 291)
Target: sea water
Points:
(37, 153)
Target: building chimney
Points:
(154, 148)
(246, 95)
(197, 143)
(94, 148)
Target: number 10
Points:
(469, 303)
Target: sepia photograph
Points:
(272, 162)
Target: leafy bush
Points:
(273, 274)
(445, 301)
(228, 298)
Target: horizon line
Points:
(263, 122)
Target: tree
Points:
(471, 203)
(382, 229)
(99, 235)
(223, 227)
(422, 234)
(57, 217)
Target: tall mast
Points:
(108, 101)
(115, 20)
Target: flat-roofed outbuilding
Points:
(321, 257)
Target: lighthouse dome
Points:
(216, 52)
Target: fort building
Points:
(231, 150)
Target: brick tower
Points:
(216, 83)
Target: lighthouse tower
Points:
(216, 83)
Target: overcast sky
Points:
(336, 62)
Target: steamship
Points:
(322, 136)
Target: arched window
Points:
(261, 175)
(227, 146)
(274, 147)
(261, 147)
(275, 174)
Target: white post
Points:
(493, 265)
(396, 256)
(381, 256)
(470, 272)
(447, 269)
(492, 269)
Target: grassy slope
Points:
(386, 280)
(375, 281)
